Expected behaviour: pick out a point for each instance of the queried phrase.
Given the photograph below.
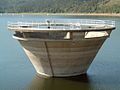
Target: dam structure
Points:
(62, 47)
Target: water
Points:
(16, 71)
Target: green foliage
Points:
(59, 6)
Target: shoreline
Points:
(67, 14)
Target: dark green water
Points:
(17, 73)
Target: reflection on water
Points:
(82, 82)
(69, 83)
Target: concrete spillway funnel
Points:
(66, 48)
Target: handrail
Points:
(63, 24)
(64, 21)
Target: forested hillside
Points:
(60, 6)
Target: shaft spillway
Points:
(62, 47)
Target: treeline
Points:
(59, 6)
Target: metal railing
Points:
(64, 23)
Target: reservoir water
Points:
(16, 71)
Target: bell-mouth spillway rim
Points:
(64, 25)
(49, 40)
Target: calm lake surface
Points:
(16, 71)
